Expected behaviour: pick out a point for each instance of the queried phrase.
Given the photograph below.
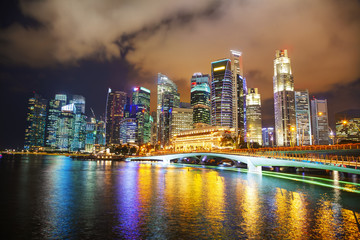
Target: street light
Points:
(292, 130)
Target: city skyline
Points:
(150, 50)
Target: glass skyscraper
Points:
(141, 98)
(115, 103)
(78, 142)
(35, 123)
(284, 100)
(221, 93)
(239, 92)
(167, 99)
(319, 120)
(253, 116)
(181, 120)
(303, 123)
(200, 98)
(65, 133)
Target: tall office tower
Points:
(65, 133)
(268, 137)
(167, 99)
(239, 92)
(62, 98)
(200, 98)
(78, 142)
(253, 116)
(348, 126)
(284, 100)
(221, 93)
(35, 123)
(53, 115)
(303, 124)
(79, 102)
(141, 98)
(154, 131)
(90, 135)
(115, 103)
(181, 120)
(100, 133)
(319, 121)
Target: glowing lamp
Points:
(219, 68)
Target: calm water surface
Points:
(54, 197)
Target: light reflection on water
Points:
(56, 197)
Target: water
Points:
(53, 197)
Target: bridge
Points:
(255, 162)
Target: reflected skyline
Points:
(57, 197)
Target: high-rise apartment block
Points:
(303, 123)
(200, 98)
(115, 104)
(319, 121)
(253, 116)
(35, 123)
(221, 93)
(284, 100)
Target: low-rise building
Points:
(207, 138)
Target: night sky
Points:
(85, 46)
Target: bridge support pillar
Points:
(252, 168)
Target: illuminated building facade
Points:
(303, 123)
(90, 140)
(319, 121)
(53, 116)
(128, 129)
(181, 120)
(200, 98)
(100, 133)
(284, 100)
(239, 92)
(141, 98)
(348, 126)
(167, 99)
(35, 123)
(268, 137)
(115, 103)
(78, 143)
(253, 116)
(207, 138)
(221, 93)
(65, 136)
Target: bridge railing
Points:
(336, 160)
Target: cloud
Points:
(179, 38)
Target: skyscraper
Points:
(78, 142)
(53, 115)
(221, 93)
(65, 133)
(141, 98)
(200, 98)
(239, 91)
(303, 124)
(319, 120)
(115, 103)
(284, 100)
(35, 123)
(167, 99)
(253, 116)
